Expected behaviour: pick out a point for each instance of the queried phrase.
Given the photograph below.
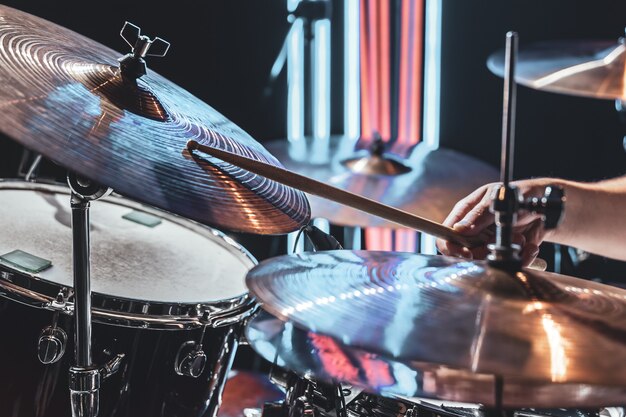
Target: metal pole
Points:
(508, 113)
(84, 377)
(505, 202)
(82, 280)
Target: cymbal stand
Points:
(84, 376)
(309, 12)
(506, 201)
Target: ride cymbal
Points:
(594, 69)
(65, 97)
(431, 182)
(530, 325)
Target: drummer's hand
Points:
(471, 217)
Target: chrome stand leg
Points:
(85, 378)
(220, 370)
(82, 279)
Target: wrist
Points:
(571, 208)
(536, 187)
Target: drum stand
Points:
(85, 377)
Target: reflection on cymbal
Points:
(464, 315)
(330, 360)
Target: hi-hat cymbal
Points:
(64, 96)
(436, 179)
(530, 325)
(582, 68)
(327, 359)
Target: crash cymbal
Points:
(328, 359)
(582, 68)
(435, 180)
(65, 97)
(464, 315)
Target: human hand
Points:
(471, 217)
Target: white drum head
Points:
(176, 261)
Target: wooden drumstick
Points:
(347, 198)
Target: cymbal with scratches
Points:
(65, 97)
(465, 315)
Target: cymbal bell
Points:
(594, 69)
(64, 96)
(322, 357)
(427, 184)
(527, 325)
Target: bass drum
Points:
(168, 294)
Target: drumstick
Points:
(347, 198)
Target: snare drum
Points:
(168, 293)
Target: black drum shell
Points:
(146, 385)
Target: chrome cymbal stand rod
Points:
(506, 200)
(84, 376)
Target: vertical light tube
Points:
(321, 79)
(406, 240)
(351, 76)
(295, 82)
(432, 91)
(367, 118)
(291, 241)
(322, 224)
(384, 70)
(432, 72)
(428, 244)
(352, 238)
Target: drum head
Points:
(174, 261)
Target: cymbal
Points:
(436, 181)
(581, 68)
(328, 359)
(530, 325)
(65, 97)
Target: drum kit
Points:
(137, 306)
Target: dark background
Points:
(222, 51)
(564, 136)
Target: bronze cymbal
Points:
(529, 325)
(436, 179)
(64, 96)
(582, 68)
(328, 359)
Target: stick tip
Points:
(192, 145)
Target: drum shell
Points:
(149, 332)
(145, 385)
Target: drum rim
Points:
(123, 311)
